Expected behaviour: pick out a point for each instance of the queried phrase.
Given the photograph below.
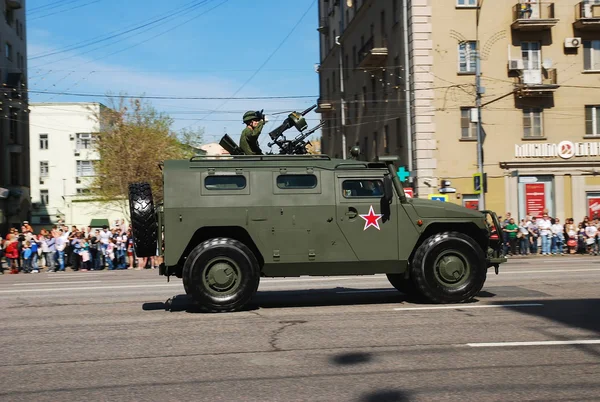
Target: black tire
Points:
(143, 219)
(405, 285)
(222, 275)
(449, 267)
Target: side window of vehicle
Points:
(225, 182)
(297, 181)
(362, 188)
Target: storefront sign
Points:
(535, 198)
(594, 207)
(472, 204)
(564, 150)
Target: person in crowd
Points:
(511, 229)
(557, 237)
(523, 236)
(545, 225)
(26, 254)
(591, 233)
(534, 235)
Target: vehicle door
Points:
(359, 217)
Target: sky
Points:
(178, 48)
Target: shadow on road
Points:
(294, 298)
(385, 396)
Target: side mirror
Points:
(386, 200)
(388, 188)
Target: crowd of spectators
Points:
(83, 249)
(546, 235)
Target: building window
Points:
(15, 168)
(44, 197)
(13, 126)
(362, 188)
(397, 73)
(373, 90)
(85, 168)
(44, 169)
(43, 141)
(83, 191)
(466, 3)
(468, 129)
(467, 60)
(84, 141)
(225, 182)
(386, 139)
(19, 59)
(532, 123)
(9, 14)
(395, 11)
(591, 55)
(592, 120)
(296, 181)
(8, 51)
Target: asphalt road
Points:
(532, 334)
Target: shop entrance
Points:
(536, 194)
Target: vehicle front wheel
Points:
(449, 267)
(221, 275)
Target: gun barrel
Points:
(309, 109)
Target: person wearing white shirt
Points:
(544, 225)
(591, 234)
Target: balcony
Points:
(587, 16)
(533, 16)
(14, 4)
(370, 56)
(324, 106)
(537, 82)
(323, 26)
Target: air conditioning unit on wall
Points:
(515, 64)
(572, 43)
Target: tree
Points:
(134, 138)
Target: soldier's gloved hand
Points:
(265, 118)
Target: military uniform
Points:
(249, 139)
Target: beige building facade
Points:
(540, 78)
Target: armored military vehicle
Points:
(227, 221)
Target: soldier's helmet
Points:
(249, 116)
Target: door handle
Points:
(352, 213)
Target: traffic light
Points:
(445, 187)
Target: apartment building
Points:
(14, 118)
(62, 166)
(540, 78)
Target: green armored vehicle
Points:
(227, 221)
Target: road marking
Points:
(550, 271)
(460, 307)
(367, 291)
(54, 283)
(92, 288)
(539, 343)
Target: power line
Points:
(268, 58)
(171, 97)
(65, 10)
(114, 34)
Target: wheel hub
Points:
(221, 276)
(451, 269)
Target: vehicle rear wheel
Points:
(449, 267)
(222, 275)
(405, 285)
(143, 220)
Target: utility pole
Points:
(480, 91)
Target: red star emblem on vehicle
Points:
(371, 219)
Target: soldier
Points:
(254, 122)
